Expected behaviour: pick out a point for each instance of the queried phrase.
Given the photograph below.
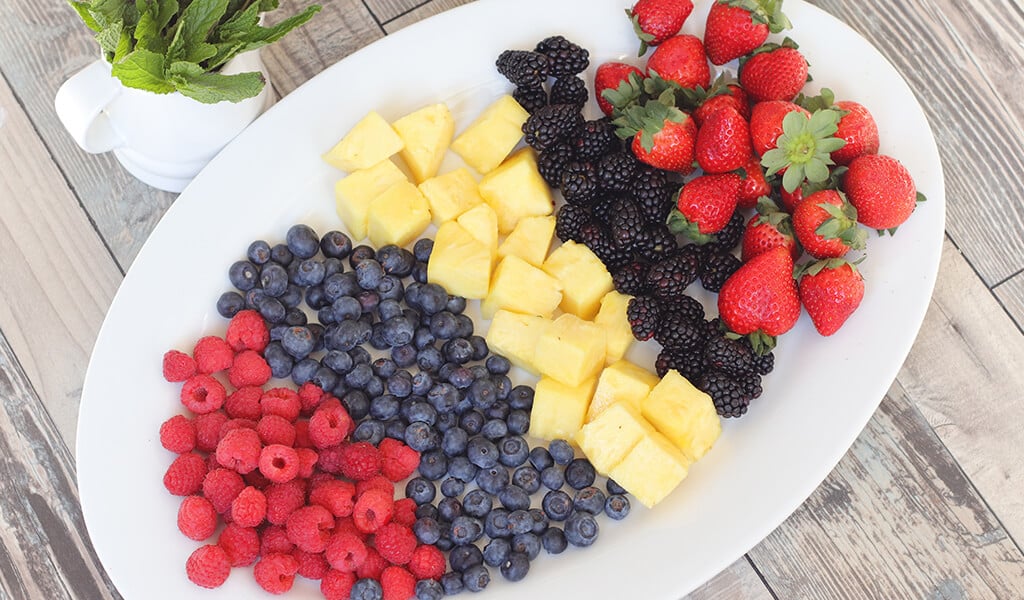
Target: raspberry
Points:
(178, 366)
(273, 539)
(256, 480)
(239, 450)
(249, 368)
(232, 424)
(212, 354)
(345, 552)
(247, 331)
(185, 475)
(360, 461)
(405, 512)
(208, 430)
(282, 402)
(203, 394)
(373, 566)
(400, 461)
(249, 508)
(395, 543)
(276, 572)
(279, 463)
(244, 403)
(221, 486)
(329, 424)
(311, 396)
(335, 495)
(307, 461)
(275, 429)
(197, 518)
(283, 499)
(241, 543)
(397, 583)
(309, 528)
(377, 482)
(302, 435)
(312, 565)
(427, 562)
(178, 434)
(337, 585)
(329, 459)
(208, 566)
(372, 510)
(347, 525)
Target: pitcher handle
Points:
(80, 104)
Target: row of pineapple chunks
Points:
(642, 432)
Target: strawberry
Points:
(826, 225)
(766, 123)
(790, 200)
(760, 300)
(705, 205)
(681, 59)
(735, 28)
(755, 185)
(613, 85)
(663, 136)
(859, 130)
(723, 143)
(768, 229)
(804, 150)
(733, 96)
(881, 190)
(831, 290)
(774, 72)
(654, 21)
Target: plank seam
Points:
(1007, 278)
(999, 301)
(407, 11)
(761, 576)
(374, 17)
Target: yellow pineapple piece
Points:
(621, 382)
(571, 350)
(652, 469)
(451, 194)
(459, 262)
(398, 216)
(558, 409)
(481, 223)
(426, 134)
(515, 190)
(609, 438)
(521, 287)
(369, 142)
(492, 136)
(530, 240)
(686, 415)
(612, 316)
(354, 192)
(585, 280)
(514, 336)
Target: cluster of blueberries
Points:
(435, 386)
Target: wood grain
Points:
(58, 277)
(422, 12)
(1011, 294)
(738, 582)
(386, 10)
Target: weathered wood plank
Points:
(738, 582)
(58, 279)
(46, 551)
(422, 12)
(1011, 294)
(386, 10)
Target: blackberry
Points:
(732, 357)
(727, 239)
(690, 365)
(596, 237)
(655, 242)
(551, 124)
(727, 393)
(617, 170)
(604, 208)
(751, 384)
(531, 99)
(626, 223)
(569, 220)
(687, 306)
(595, 138)
(565, 57)
(651, 189)
(631, 278)
(677, 332)
(579, 183)
(524, 68)
(671, 276)
(764, 363)
(551, 163)
(642, 314)
(717, 268)
(569, 90)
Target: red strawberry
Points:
(766, 123)
(826, 225)
(681, 59)
(705, 205)
(654, 21)
(859, 130)
(760, 299)
(831, 291)
(611, 76)
(723, 143)
(790, 200)
(776, 73)
(881, 190)
(672, 146)
(733, 96)
(736, 28)
(769, 229)
(755, 185)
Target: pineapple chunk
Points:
(652, 469)
(514, 336)
(459, 262)
(558, 409)
(451, 194)
(369, 142)
(398, 216)
(571, 350)
(686, 415)
(515, 190)
(618, 383)
(521, 287)
(353, 194)
(612, 316)
(585, 280)
(530, 240)
(609, 438)
(426, 135)
(481, 223)
(490, 138)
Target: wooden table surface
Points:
(927, 503)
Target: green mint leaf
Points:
(210, 88)
(143, 70)
(146, 29)
(166, 10)
(82, 8)
(193, 27)
(268, 35)
(240, 25)
(268, 5)
(110, 36)
(225, 52)
(124, 46)
(107, 12)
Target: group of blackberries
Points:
(555, 59)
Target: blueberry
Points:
(454, 442)
(416, 410)
(244, 275)
(464, 557)
(455, 304)
(443, 397)
(497, 365)
(357, 404)
(518, 422)
(304, 370)
(472, 421)
(294, 317)
(513, 450)
(451, 487)
(302, 241)
(461, 377)
(280, 362)
(359, 254)
(434, 465)
(495, 429)
(614, 488)
(359, 376)
(400, 384)
(450, 581)
(561, 452)
(253, 298)
(318, 336)
(589, 500)
(553, 477)
(368, 300)
(422, 248)
(465, 529)
(346, 308)
(616, 506)
(496, 524)
(460, 468)
(482, 453)
(297, 341)
(281, 255)
(496, 552)
(388, 309)
(580, 474)
(476, 578)
(445, 544)
(477, 503)
(482, 393)
(395, 260)
(374, 387)
(316, 298)
(429, 589)
(492, 479)
(446, 370)
(443, 325)
(404, 356)
(391, 288)
(421, 490)
(429, 359)
(553, 540)
(458, 351)
(229, 304)
(370, 430)
(478, 347)
(422, 437)
(333, 265)
(326, 379)
(271, 309)
(412, 294)
(514, 498)
(419, 272)
(540, 458)
(516, 567)
(426, 511)
(423, 338)
(310, 272)
(449, 509)
(369, 273)
(292, 297)
(540, 521)
(395, 430)
(384, 367)
(340, 389)
(366, 589)
(433, 298)
(335, 244)
(479, 371)
(557, 505)
(360, 355)
(521, 397)
(446, 421)
(384, 407)
(499, 410)
(258, 252)
(398, 331)
(527, 478)
(526, 543)
(519, 521)
(581, 529)
(340, 285)
(463, 326)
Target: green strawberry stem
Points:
(679, 224)
(804, 149)
(842, 225)
(760, 342)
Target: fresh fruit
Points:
(803, 151)
(766, 123)
(550, 125)
(705, 205)
(583, 276)
(652, 469)
(354, 192)
(397, 216)
(610, 76)
(492, 136)
(621, 381)
(559, 408)
(731, 96)
(530, 240)
(723, 142)
(655, 21)
(515, 190)
(524, 68)
(612, 317)
(370, 141)
(681, 59)
(858, 128)
(769, 228)
(755, 186)
(735, 28)
(607, 439)
(760, 300)
(514, 275)
(826, 225)
(565, 58)
(450, 194)
(882, 191)
(684, 414)
(426, 135)
(482, 223)
(831, 290)
(663, 136)
(460, 262)
(774, 72)
(515, 335)
(571, 350)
